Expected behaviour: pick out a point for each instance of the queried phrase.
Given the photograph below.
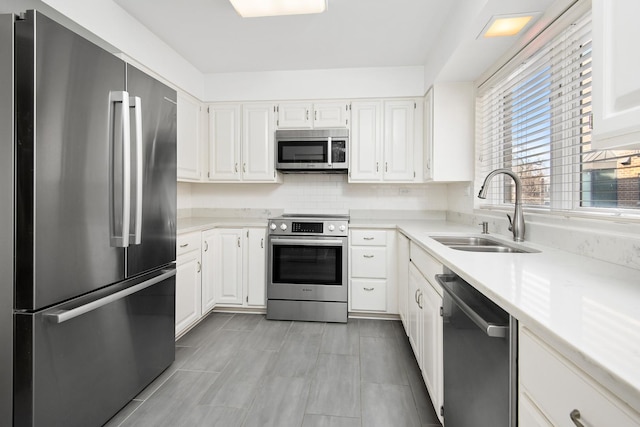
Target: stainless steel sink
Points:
(480, 244)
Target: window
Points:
(534, 117)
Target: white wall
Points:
(315, 84)
(109, 22)
(314, 193)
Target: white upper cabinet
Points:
(386, 141)
(616, 87)
(399, 140)
(189, 142)
(224, 142)
(258, 143)
(241, 143)
(449, 132)
(308, 115)
(365, 141)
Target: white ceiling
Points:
(350, 34)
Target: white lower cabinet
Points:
(432, 345)
(424, 322)
(403, 276)
(238, 269)
(372, 265)
(208, 262)
(552, 391)
(188, 280)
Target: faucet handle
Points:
(510, 222)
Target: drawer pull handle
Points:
(206, 246)
(184, 245)
(369, 238)
(575, 417)
(368, 289)
(368, 256)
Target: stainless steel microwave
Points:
(310, 150)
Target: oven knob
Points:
(283, 226)
(331, 227)
(342, 228)
(273, 226)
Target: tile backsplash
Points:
(317, 193)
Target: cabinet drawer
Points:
(368, 237)
(558, 387)
(187, 243)
(369, 262)
(427, 265)
(368, 295)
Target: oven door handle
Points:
(306, 242)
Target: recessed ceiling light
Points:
(256, 8)
(507, 25)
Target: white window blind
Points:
(534, 117)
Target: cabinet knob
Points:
(575, 417)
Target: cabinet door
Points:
(432, 345)
(616, 87)
(188, 141)
(254, 266)
(399, 135)
(208, 270)
(188, 269)
(224, 142)
(366, 141)
(428, 136)
(413, 311)
(330, 115)
(227, 268)
(403, 277)
(258, 143)
(295, 115)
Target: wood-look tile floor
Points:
(245, 370)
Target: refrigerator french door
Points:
(94, 198)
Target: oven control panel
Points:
(319, 227)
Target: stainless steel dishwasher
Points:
(480, 358)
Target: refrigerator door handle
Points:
(119, 221)
(61, 316)
(135, 238)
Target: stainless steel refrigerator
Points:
(87, 227)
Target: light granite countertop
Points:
(589, 310)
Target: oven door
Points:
(310, 268)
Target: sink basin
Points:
(480, 244)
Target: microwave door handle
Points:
(329, 151)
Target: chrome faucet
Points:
(516, 226)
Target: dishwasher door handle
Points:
(492, 330)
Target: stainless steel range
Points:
(307, 268)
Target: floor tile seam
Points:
(311, 382)
(122, 423)
(202, 371)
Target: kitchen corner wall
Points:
(317, 193)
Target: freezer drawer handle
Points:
(492, 330)
(60, 316)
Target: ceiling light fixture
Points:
(256, 8)
(507, 25)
